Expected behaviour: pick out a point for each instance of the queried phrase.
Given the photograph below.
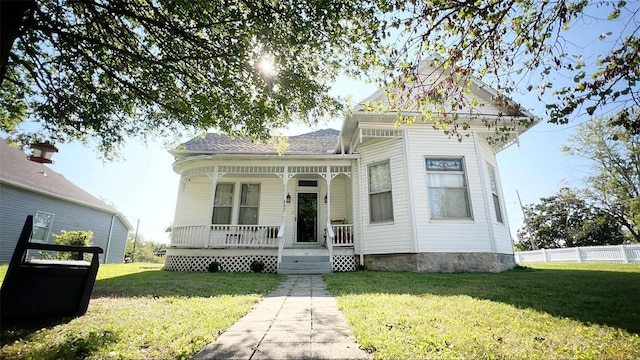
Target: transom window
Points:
(380, 198)
(448, 194)
(307, 183)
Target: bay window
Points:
(448, 193)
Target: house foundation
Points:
(440, 262)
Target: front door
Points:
(307, 224)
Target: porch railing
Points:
(342, 234)
(222, 236)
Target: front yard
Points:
(546, 311)
(138, 311)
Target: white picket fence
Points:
(612, 253)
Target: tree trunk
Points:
(13, 17)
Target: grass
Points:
(540, 312)
(138, 311)
(543, 311)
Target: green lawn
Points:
(545, 311)
(138, 311)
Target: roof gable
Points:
(480, 93)
(317, 142)
(17, 170)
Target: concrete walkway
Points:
(298, 320)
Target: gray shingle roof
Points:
(15, 168)
(317, 142)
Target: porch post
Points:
(214, 181)
(328, 180)
(285, 182)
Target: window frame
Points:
(241, 206)
(460, 170)
(47, 231)
(493, 186)
(372, 193)
(215, 194)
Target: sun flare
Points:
(267, 65)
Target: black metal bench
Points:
(37, 290)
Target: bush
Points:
(213, 267)
(257, 266)
(74, 238)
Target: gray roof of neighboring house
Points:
(17, 170)
(318, 142)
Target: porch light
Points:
(325, 198)
(288, 198)
(42, 152)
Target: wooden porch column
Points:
(328, 180)
(214, 181)
(285, 183)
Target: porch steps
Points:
(305, 261)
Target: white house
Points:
(376, 195)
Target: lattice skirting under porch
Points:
(227, 263)
(344, 263)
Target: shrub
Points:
(74, 238)
(213, 267)
(257, 266)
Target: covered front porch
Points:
(257, 212)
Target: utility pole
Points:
(135, 241)
(526, 224)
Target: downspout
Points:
(361, 237)
(106, 250)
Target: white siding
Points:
(339, 198)
(194, 199)
(501, 231)
(393, 237)
(193, 206)
(447, 235)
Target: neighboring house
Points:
(375, 194)
(30, 188)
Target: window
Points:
(307, 183)
(448, 195)
(222, 204)
(249, 204)
(42, 222)
(380, 199)
(494, 191)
